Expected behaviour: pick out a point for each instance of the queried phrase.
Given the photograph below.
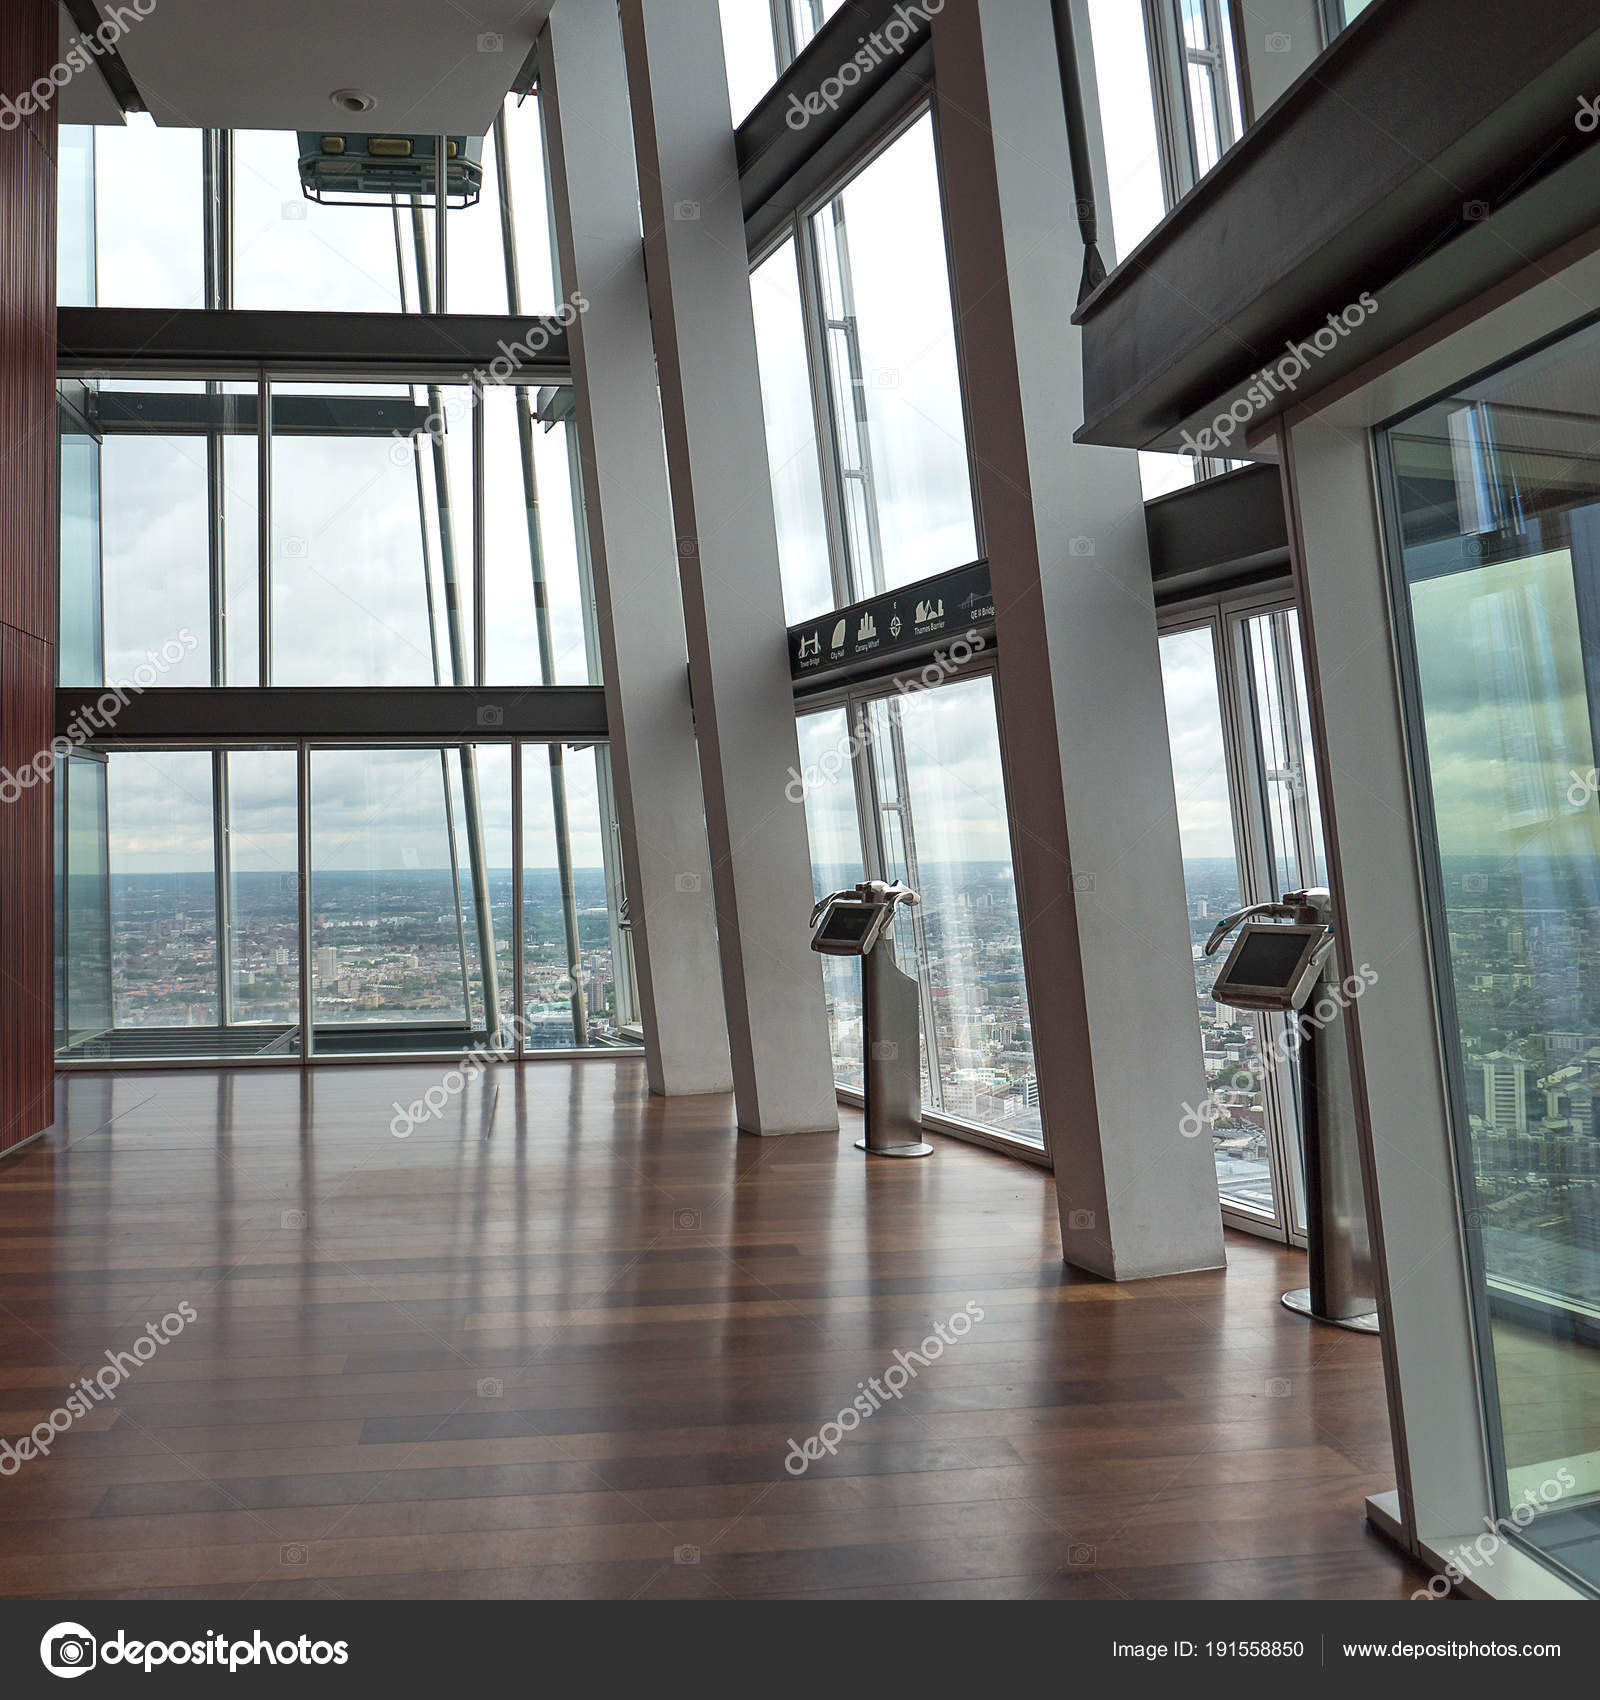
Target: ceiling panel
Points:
(434, 66)
(85, 99)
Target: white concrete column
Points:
(1088, 764)
(699, 290)
(665, 851)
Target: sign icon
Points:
(868, 629)
(933, 610)
(895, 627)
(810, 646)
(837, 641)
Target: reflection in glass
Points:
(836, 863)
(372, 545)
(941, 795)
(163, 889)
(1498, 518)
(791, 437)
(84, 919)
(263, 857)
(892, 372)
(1237, 1089)
(81, 635)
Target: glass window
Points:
(156, 558)
(1497, 518)
(808, 16)
(262, 851)
(892, 373)
(792, 437)
(1127, 121)
(1230, 1039)
(149, 246)
(404, 845)
(372, 537)
(81, 632)
(834, 827)
(163, 888)
(750, 51)
(577, 978)
(84, 916)
(944, 825)
(75, 261)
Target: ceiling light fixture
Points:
(353, 100)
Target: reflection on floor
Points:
(559, 1338)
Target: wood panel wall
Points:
(28, 48)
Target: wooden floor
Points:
(557, 1343)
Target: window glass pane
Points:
(294, 254)
(85, 920)
(950, 841)
(149, 243)
(533, 557)
(751, 55)
(82, 652)
(163, 888)
(892, 369)
(156, 555)
(809, 16)
(834, 828)
(1237, 1109)
(1203, 115)
(1127, 121)
(75, 268)
(402, 841)
(263, 850)
(791, 437)
(372, 541)
(476, 254)
(1499, 526)
(576, 984)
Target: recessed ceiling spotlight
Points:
(353, 100)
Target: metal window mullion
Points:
(518, 943)
(441, 224)
(814, 319)
(480, 550)
(303, 820)
(264, 529)
(222, 868)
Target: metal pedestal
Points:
(891, 1021)
(1338, 1253)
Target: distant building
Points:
(1505, 1091)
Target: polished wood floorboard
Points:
(556, 1344)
